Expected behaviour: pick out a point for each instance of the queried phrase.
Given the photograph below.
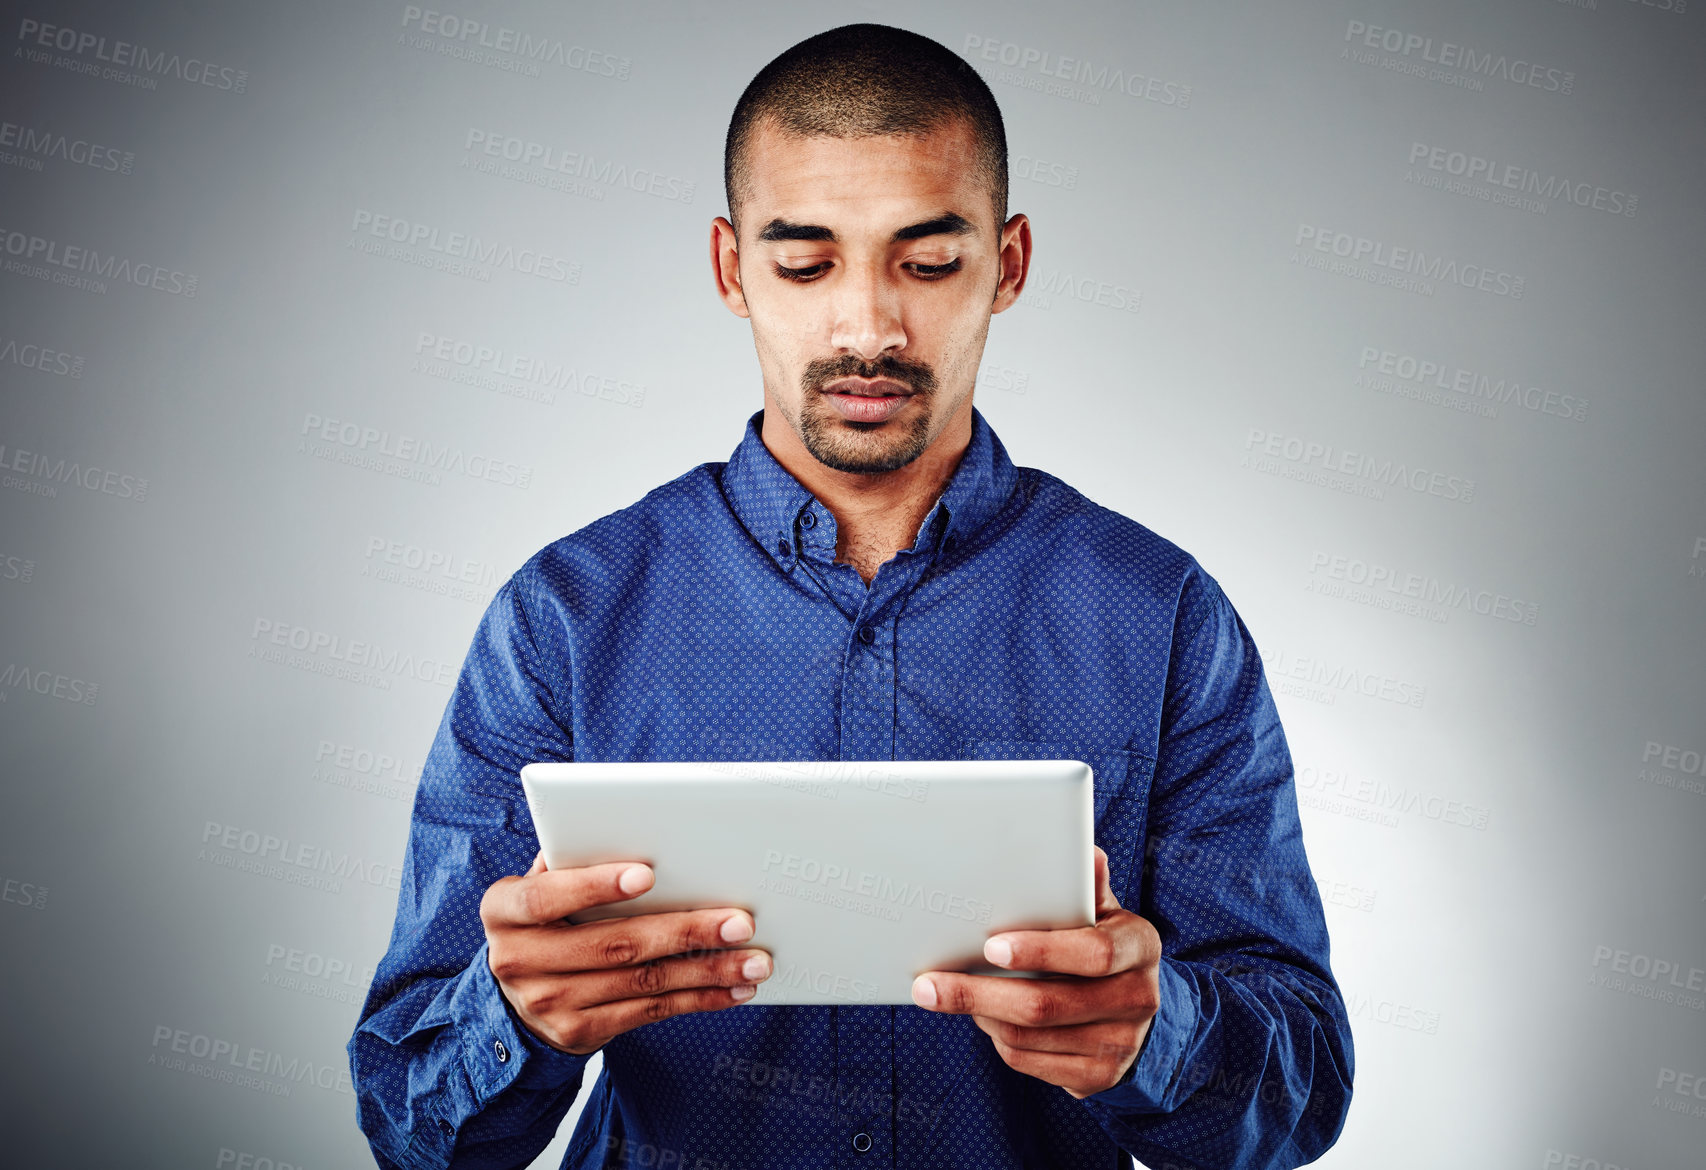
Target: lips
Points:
(867, 400)
(868, 388)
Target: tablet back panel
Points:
(859, 874)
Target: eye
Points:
(923, 271)
(935, 271)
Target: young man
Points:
(867, 577)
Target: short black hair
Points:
(868, 79)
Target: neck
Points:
(876, 515)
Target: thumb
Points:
(1106, 903)
(538, 864)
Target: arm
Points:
(443, 1071)
(1248, 1060)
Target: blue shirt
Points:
(709, 621)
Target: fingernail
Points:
(757, 967)
(743, 991)
(634, 879)
(923, 992)
(736, 929)
(998, 951)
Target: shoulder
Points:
(1115, 548)
(600, 560)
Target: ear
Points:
(725, 266)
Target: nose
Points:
(866, 312)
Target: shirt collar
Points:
(786, 519)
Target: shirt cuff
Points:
(1144, 1087)
(497, 1048)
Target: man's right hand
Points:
(577, 985)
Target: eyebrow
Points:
(946, 224)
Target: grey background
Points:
(1510, 852)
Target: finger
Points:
(724, 969)
(538, 865)
(622, 942)
(1035, 1003)
(1078, 1075)
(1109, 1038)
(612, 1019)
(1106, 903)
(1122, 941)
(539, 898)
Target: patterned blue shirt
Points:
(709, 621)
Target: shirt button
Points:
(784, 548)
(500, 1051)
(867, 635)
(807, 519)
(861, 1142)
(446, 1128)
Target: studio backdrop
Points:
(320, 318)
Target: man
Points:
(867, 577)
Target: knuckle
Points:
(1105, 954)
(532, 901)
(648, 978)
(658, 1007)
(503, 964)
(618, 950)
(1037, 1009)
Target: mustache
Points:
(822, 371)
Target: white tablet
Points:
(859, 875)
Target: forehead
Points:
(869, 183)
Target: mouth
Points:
(868, 388)
(867, 400)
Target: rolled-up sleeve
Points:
(1248, 1062)
(444, 1072)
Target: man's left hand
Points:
(1080, 1028)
